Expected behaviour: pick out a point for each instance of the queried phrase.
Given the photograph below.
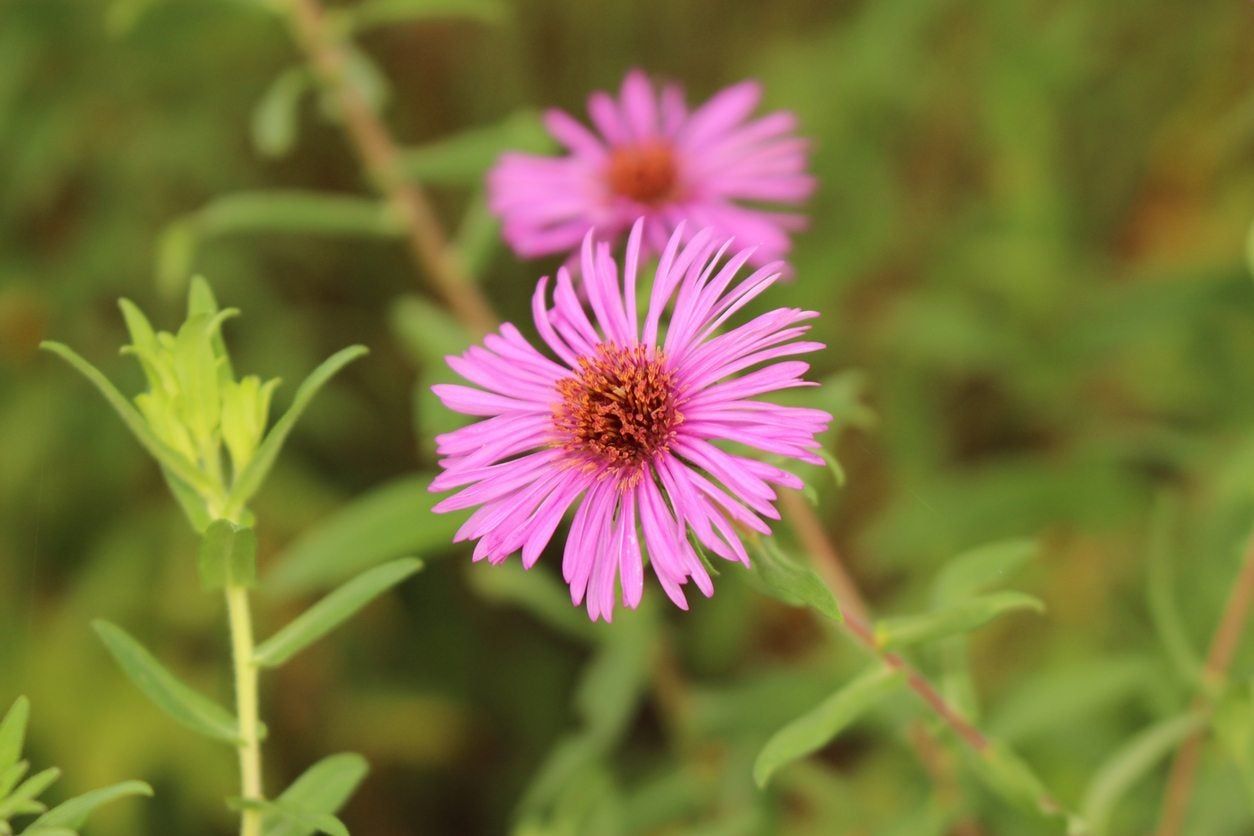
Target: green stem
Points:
(246, 702)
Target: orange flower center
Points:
(644, 173)
(618, 408)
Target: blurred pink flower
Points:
(621, 425)
(652, 158)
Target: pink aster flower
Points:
(650, 157)
(624, 423)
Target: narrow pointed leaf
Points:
(387, 522)
(975, 571)
(959, 618)
(10, 776)
(1012, 778)
(1130, 764)
(185, 705)
(24, 799)
(779, 576)
(324, 788)
(1162, 588)
(13, 733)
(307, 821)
(333, 610)
(275, 119)
(178, 466)
(74, 813)
(815, 729)
(295, 212)
(248, 482)
(465, 157)
(834, 465)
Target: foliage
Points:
(1031, 251)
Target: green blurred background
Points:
(1029, 248)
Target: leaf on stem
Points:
(185, 705)
(13, 733)
(463, 158)
(1130, 764)
(815, 729)
(177, 466)
(249, 481)
(321, 790)
(778, 575)
(331, 611)
(976, 570)
(74, 813)
(959, 618)
(385, 523)
(275, 118)
(1161, 591)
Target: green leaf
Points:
(1161, 590)
(24, 799)
(175, 254)
(387, 522)
(1051, 700)
(306, 820)
(171, 695)
(1012, 778)
(74, 813)
(296, 212)
(478, 236)
(331, 611)
(958, 618)
(375, 13)
(324, 788)
(178, 466)
(1131, 763)
(10, 776)
(359, 70)
(274, 120)
(978, 569)
(249, 482)
(815, 729)
(13, 733)
(838, 472)
(464, 158)
(228, 556)
(779, 576)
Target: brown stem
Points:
(1223, 648)
(816, 543)
(857, 623)
(378, 154)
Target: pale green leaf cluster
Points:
(205, 427)
(20, 791)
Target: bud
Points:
(245, 410)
